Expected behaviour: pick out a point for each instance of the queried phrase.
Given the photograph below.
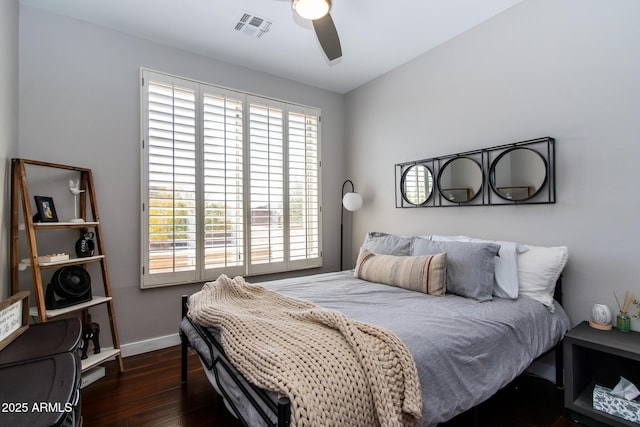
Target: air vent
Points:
(252, 25)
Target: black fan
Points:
(324, 27)
(69, 285)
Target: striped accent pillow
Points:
(426, 274)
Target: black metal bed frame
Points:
(282, 410)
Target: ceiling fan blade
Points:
(328, 37)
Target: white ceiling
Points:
(376, 35)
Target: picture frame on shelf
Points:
(46, 210)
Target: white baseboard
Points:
(145, 346)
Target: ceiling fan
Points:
(317, 11)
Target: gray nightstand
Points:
(599, 357)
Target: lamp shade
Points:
(311, 9)
(352, 201)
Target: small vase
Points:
(635, 324)
(623, 322)
(85, 247)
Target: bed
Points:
(470, 349)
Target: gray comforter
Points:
(464, 350)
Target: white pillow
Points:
(506, 283)
(538, 271)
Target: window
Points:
(230, 183)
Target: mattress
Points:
(464, 350)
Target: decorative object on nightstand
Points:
(600, 317)
(635, 316)
(351, 201)
(623, 321)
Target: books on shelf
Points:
(49, 258)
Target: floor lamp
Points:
(351, 201)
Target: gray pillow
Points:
(388, 244)
(470, 265)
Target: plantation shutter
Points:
(223, 183)
(171, 186)
(230, 183)
(304, 188)
(266, 186)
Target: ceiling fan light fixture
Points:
(311, 9)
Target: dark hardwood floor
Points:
(149, 393)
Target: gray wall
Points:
(8, 124)
(79, 105)
(564, 68)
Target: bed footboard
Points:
(257, 397)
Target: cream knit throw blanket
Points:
(335, 371)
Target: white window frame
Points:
(246, 268)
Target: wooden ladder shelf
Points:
(20, 199)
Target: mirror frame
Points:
(404, 178)
(444, 168)
(486, 158)
(492, 173)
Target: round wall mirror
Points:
(417, 184)
(460, 180)
(518, 174)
